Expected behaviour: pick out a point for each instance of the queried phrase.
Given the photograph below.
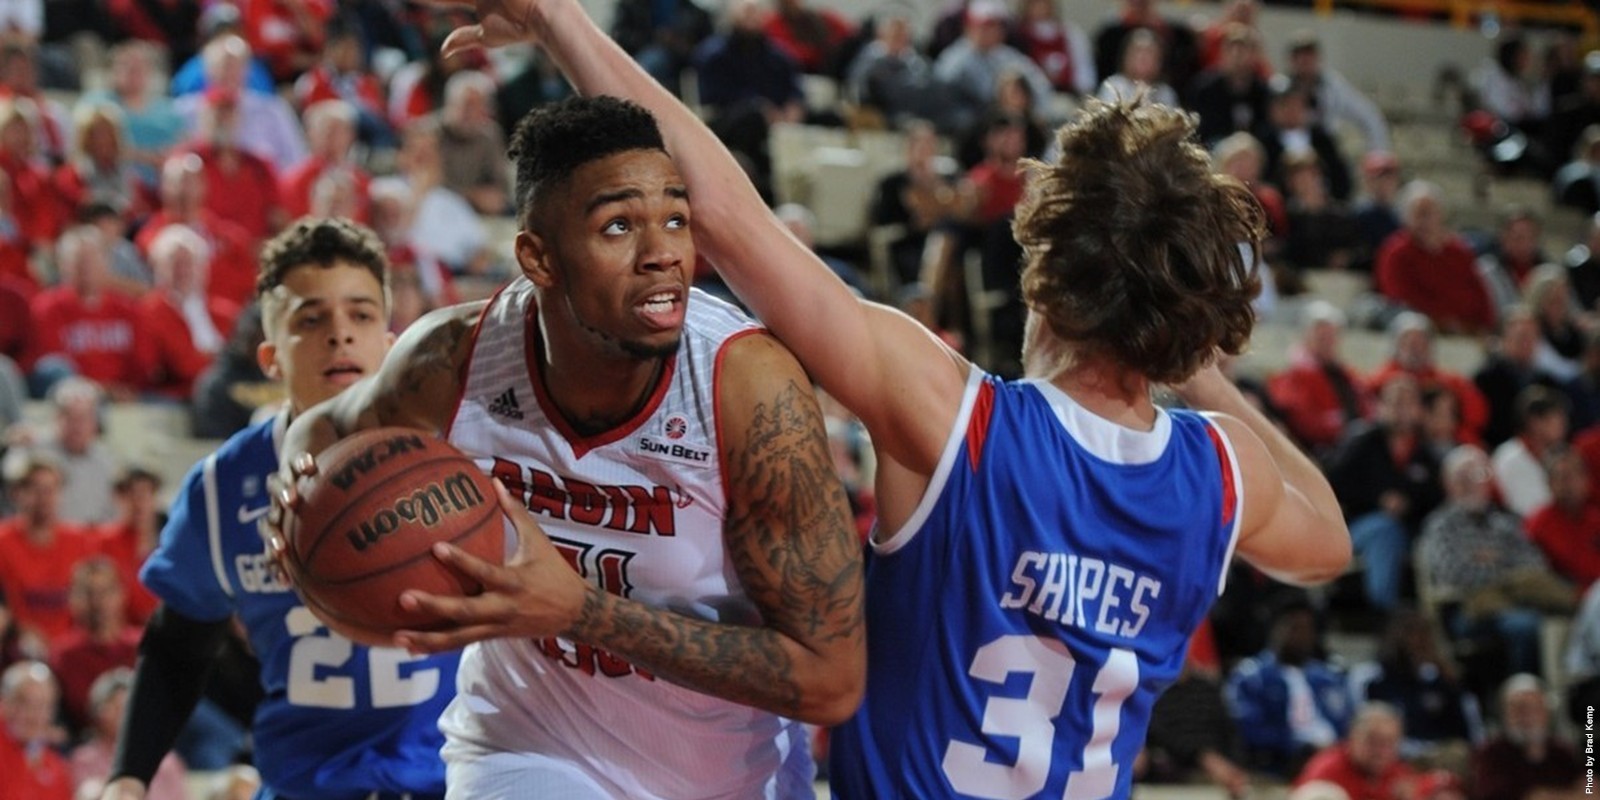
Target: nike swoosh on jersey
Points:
(248, 515)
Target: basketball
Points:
(366, 524)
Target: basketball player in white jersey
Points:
(1046, 546)
(698, 594)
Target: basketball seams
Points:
(336, 523)
(384, 570)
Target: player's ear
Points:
(533, 256)
(267, 360)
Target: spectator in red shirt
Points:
(241, 187)
(1527, 760)
(31, 767)
(1426, 267)
(15, 249)
(1412, 337)
(287, 34)
(129, 539)
(1568, 530)
(331, 131)
(100, 639)
(1318, 393)
(181, 327)
(996, 182)
(1367, 763)
(19, 78)
(812, 37)
(38, 552)
(38, 207)
(1059, 47)
(81, 319)
(343, 74)
(184, 201)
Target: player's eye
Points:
(677, 222)
(615, 227)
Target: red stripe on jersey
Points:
(978, 423)
(1230, 496)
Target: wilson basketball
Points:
(367, 522)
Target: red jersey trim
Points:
(533, 349)
(978, 424)
(1230, 493)
(716, 398)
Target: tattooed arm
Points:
(788, 534)
(416, 387)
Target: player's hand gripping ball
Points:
(364, 525)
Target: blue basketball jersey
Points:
(339, 720)
(1025, 619)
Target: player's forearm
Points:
(758, 667)
(175, 657)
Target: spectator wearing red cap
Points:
(343, 74)
(813, 37)
(289, 34)
(971, 66)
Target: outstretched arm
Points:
(789, 537)
(894, 375)
(1293, 528)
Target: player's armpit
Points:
(420, 380)
(790, 538)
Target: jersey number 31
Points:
(1032, 721)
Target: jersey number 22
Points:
(314, 655)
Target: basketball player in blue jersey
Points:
(338, 721)
(1045, 546)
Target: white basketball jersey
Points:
(639, 511)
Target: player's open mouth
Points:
(343, 372)
(662, 310)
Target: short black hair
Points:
(553, 140)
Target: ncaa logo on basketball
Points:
(676, 426)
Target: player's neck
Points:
(599, 399)
(1120, 397)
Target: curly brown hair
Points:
(322, 242)
(1133, 243)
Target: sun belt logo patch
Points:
(676, 427)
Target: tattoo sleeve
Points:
(790, 538)
(420, 380)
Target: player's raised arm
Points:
(1293, 529)
(903, 383)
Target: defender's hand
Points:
(285, 490)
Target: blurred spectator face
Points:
(1239, 54)
(138, 499)
(1306, 63)
(183, 188)
(108, 715)
(390, 217)
(1288, 111)
(29, 704)
(469, 105)
(1569, 481)
(130, 70)
(227, 62)
(1441, 417)
(101, 142)
(16, 136)
(922, 145)
(344, 54)
(334, 195)
(1519, 239)
(895, 34)
(419, 151)
(1038, 11)
(986, 24)
(17, 70)
(1305, 183)
(219, 123)
(1012, 95)
(1375, 743)
(330, 135)
(1527, 719)
(1294, 636)
(1322, 341)
(1244, 164)
(1005, 143)
(38, 498)
(746, 18)
(1426, 223)
(181, 270)
(1520, 339)
(1400, 405)
(406, 298)
(97, 600)
(1413, 349)
(1141, 61)
(1548, 428)
(1555, 305)
(1468, 480)
(79, 423)
(1383, 184)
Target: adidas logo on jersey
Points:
(506, 405)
